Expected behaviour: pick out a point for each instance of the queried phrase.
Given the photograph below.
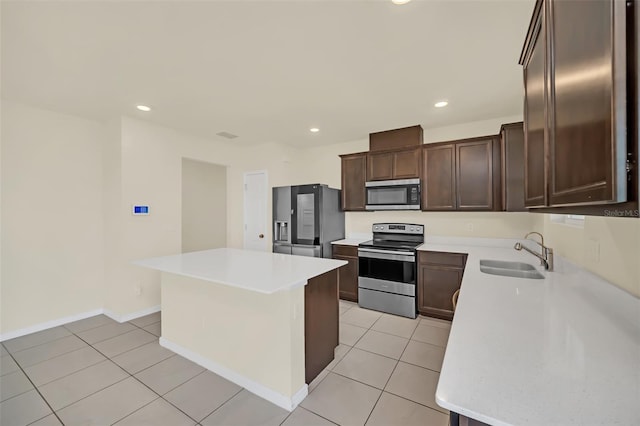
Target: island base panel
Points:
(320, 323)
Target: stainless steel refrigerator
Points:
(306, 218)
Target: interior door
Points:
(255, 211)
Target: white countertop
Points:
(257, 271)
(560, 351)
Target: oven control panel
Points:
(400, 228)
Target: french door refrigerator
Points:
(306, 218)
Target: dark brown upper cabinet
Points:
(397, 164)
(439, 177)
(575, 110)
(475, 180)
(395, 139)
(512, 158)
(354, 174)
(462, 175)
(535, 99)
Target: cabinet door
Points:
(534, 120)
(436, 285)
(406, 164)
(354, 170)
(587, 141)
(474, 175)
(439, 182)
(512, 150)
(348, 278)
(380, 166)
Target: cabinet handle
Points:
(261, 236)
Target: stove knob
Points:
(411, 229)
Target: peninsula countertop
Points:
(257, 271)
(564, 350)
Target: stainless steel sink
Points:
(519, 266)
(510, 269)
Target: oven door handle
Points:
(386, 255)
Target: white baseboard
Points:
(133, 315)
(61, 321)
(256, 388)
(48, 324)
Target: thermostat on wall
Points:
(140, 210)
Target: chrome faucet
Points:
(546, 257)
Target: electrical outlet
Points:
(470, 227)
(137, 289)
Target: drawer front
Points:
(439, 258)
(339, 250)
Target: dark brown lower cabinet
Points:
(348, 274)
(456, 419)
(320, 322)
(439, 276)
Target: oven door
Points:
(387, 265)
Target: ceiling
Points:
(268, 70)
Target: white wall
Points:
(52, 217)
(204, 205)
(607, 246)
(468, 130)
(150, 173)
(68, 235)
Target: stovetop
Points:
(395, 236)
(391, 244)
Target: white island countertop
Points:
(257, 271)
(564, 350)
(350, 241)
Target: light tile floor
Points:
(97, 371)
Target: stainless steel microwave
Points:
(402, 194)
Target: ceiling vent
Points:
(227, 135)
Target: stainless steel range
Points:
(387, 268)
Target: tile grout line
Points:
(394, 368)
(221, 405)
(410, 340)
(39, 344)
(92, 393)
(136, 379)
(113, 337)
(106, 358)
(99, 390)
(37, 390)
(106, 387)
(389, 378)
(135, 411)
(73, 372)
(416, 402)
(312, 412)
(143, 327)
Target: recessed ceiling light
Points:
(400, 1)
(314, 130)
(441, 104)
(143, 108)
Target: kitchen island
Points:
(267, 322)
